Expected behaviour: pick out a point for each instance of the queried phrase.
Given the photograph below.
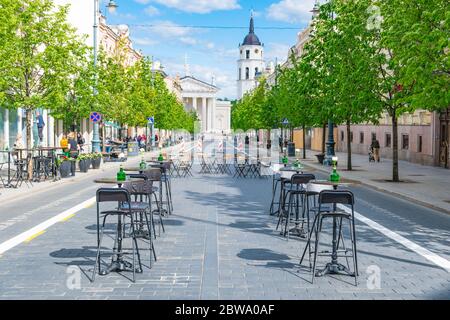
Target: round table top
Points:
(292, 169)
(109, 181)
(133, 169)
(332, 183)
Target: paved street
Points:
(220, 243)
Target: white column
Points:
(209, 102)
(204, 116)
(6, 128)
(19, 120)
(213, 114)
(50, 130)
(194, 104)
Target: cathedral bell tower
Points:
(251, 61)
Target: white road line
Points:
(11, 243)
(436, 259)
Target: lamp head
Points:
(112, 6)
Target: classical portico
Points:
(201, 97)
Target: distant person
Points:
(18, 144)
(80, 141)
(280, 142)
(375, 146)
(73, 145)
(40, 124)
(247, 140)
(64, 144)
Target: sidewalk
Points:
(429, 186)
(8, 194)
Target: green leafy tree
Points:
(46, 53)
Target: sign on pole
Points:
(95, 117)
(151, 120)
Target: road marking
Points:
(11, 243)
(427, 254)
(34, 236)
(68, 217)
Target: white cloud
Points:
(189, 41)
(145, 41)
(169, 29)
(292, 11)
(199, 6)
(151, 11)
(277, 50)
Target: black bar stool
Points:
(122, 197)
(334, 197)
(296, 193)
(140, 190)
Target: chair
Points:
(296, 193)
(334, 197)
(122, 197)
(141, 189)
(154, 175)
(167, 187)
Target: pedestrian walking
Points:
(375, 146)
(40, 124)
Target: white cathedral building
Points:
(251, 62)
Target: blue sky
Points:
(209, 51)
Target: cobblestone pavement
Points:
(219, 243)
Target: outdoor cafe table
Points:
(117, 264)
(333, 267)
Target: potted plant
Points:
(64, 166)
(84, 162)
(96, 160)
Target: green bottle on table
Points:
(285, 161)
(160, 158)
(335, 177)
(142, 165)
(121, 176)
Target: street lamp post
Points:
(112, 7)
(330, 144)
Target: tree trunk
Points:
(29, 116)
(349, 148)
(304, 142)
(395, 175)
(324, 133)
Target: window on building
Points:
(405, 141)
(256, 71)
(247, 54)
(361, 137)
(342, 135)
(239, 75)
(247, 73)
(419, 143)
(256, 51)
(374, 136)
(351, 136)
(388, 140)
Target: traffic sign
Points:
(151, 120)
(285, 121)
(96, 117)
